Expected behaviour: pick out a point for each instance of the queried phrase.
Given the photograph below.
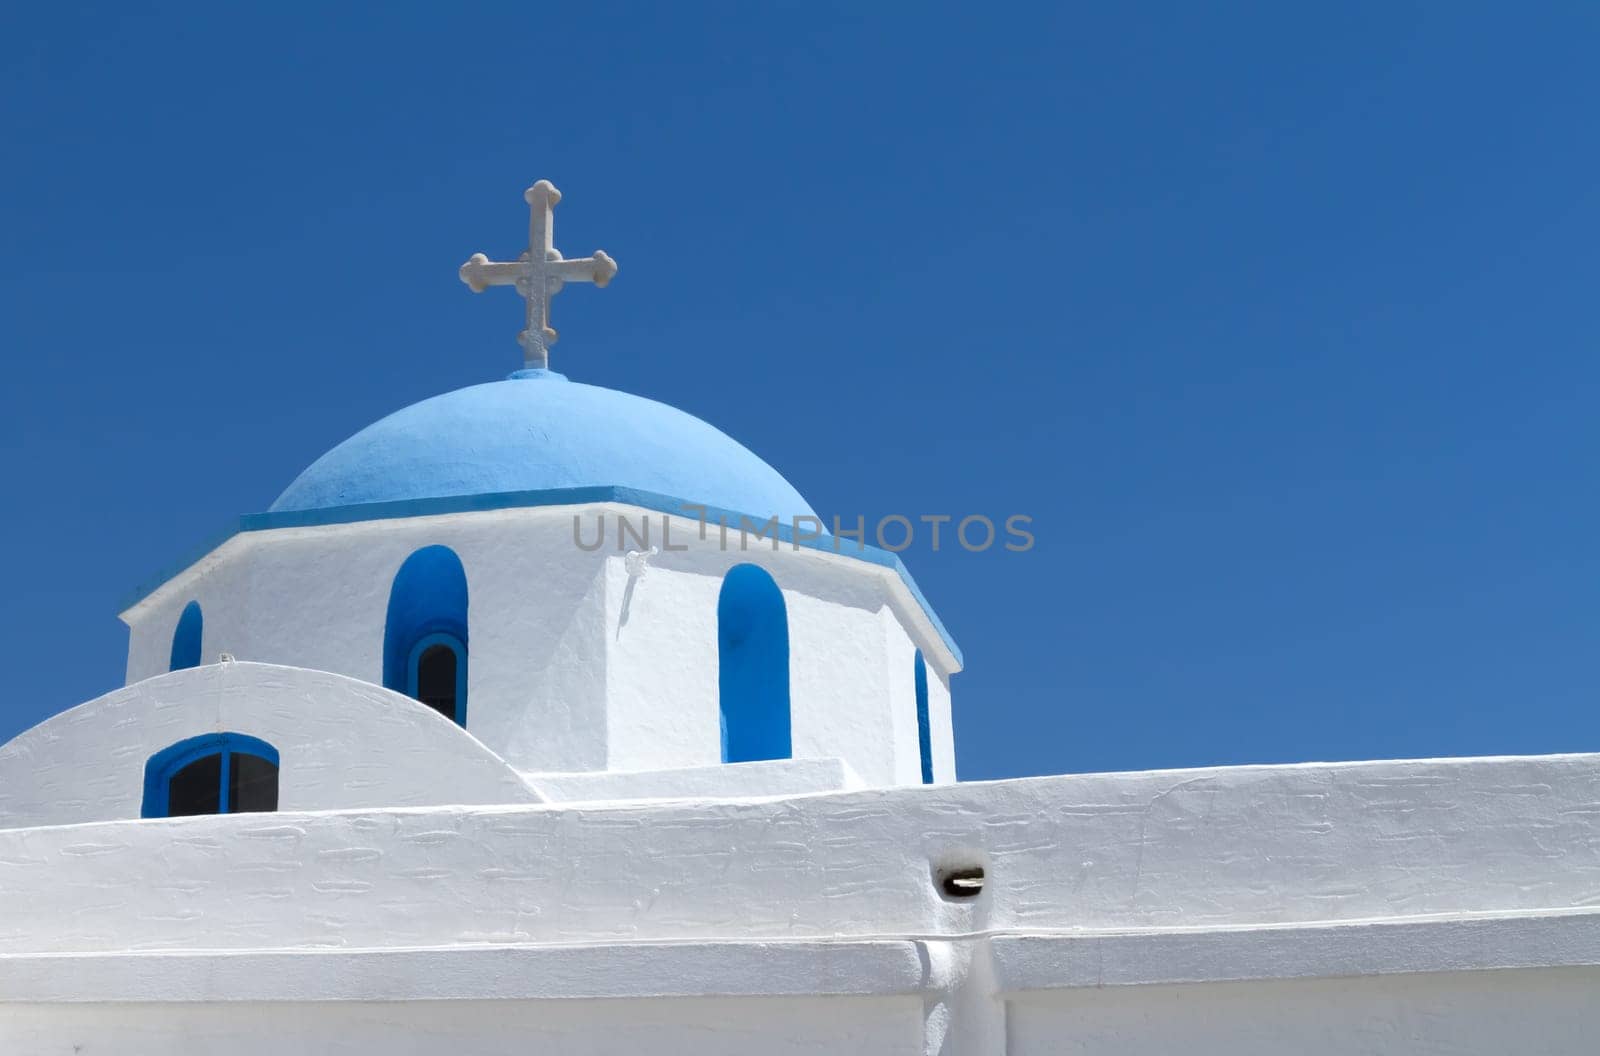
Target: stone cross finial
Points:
(538, 274)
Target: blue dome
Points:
(535, 432)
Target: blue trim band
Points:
(509, 500)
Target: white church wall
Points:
(319, 602)
(538, 639)
(771, 777)
(1542, 1012)
(1183, 849)
(900, 682)
(219, 583)
(900, 686)
(840, 690)
(662, 684)
(661, 663)
(142, 638)
(574, 665)
(836, 1026)
(793, 968)
(941, 719)
(341, 743)
(150, 639)
(318, 598)
(1538, 1012)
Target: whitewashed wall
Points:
(1406, 907)
(318, 598)
(850, 669)
(1545, 1012)
(576, 665)
(941, 722)
(838, 1026)
(1187, 849)
(1550, 1012)
(754, 780)
(341, 743)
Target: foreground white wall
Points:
(1530, 1012)
(692, 1027)
(1184, 849)
(1416, 907)
(1550, 1012)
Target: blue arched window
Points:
(425, 632)
(753, 666)
(186, 639)
(436, 674)
(924, 734)
(215, 773)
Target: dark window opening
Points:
(252, 784)
(196, 788)
(436, 679)
(216, 773)
(199, 787)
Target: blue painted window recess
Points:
(186, 638)
(753, 666)
(425, 632)
(924, 734)
(215, 773)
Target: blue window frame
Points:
(215, 773)
(425, 631)
(924, 733)
(436, 674)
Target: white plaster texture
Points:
(1166, 850)
(1530, 1013)
(341, 743)
(941, 722)
(1231, 910)
(701, 1027)
(759, 780)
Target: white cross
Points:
(538, 274)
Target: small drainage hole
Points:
(962, 883)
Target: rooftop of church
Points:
(537, 431)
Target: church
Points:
(540, 717)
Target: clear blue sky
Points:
(1280, 321)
